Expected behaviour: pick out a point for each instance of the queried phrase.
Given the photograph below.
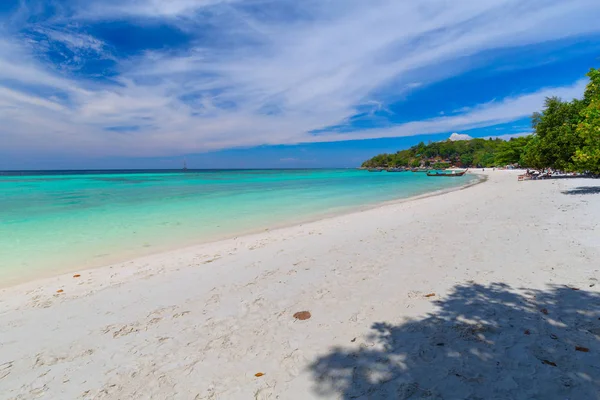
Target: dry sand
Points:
(491, 292)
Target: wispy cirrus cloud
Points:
(72, 40)
(144, 8)
(258, 72)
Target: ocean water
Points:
(57, 221)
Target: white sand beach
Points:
(491, 292)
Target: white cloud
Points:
(146, 8)
(74, 41)
(19, 66)
(264, 79)
(11, 98)
(459, 136)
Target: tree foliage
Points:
(587, 158)
(463, 153)
(512, 151)
(556, 140)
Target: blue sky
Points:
(262, 83)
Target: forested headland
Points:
(566, 137)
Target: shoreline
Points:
(117, 260)
(491, 292)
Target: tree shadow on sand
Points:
(484, 342)
(584, 190)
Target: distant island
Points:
(566, 137)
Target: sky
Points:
(94, 84)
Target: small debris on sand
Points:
(430, 295)
(258, 374)
(59, 291)
(549, 363)
(76, 276)
(527, 332)
(302, 315)
(544, 311)
(582, 349)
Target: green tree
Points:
(466, 160)
(465, 152)
(484, 158)
(511, 152)
(415, 163)
(556, 139)
(420, 148)
(587, 157)
(440, 165)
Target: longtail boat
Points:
(447, 173)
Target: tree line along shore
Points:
(566, 137)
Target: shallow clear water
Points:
(56, 222)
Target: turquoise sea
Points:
(60, 221)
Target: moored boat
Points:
(446, 173)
